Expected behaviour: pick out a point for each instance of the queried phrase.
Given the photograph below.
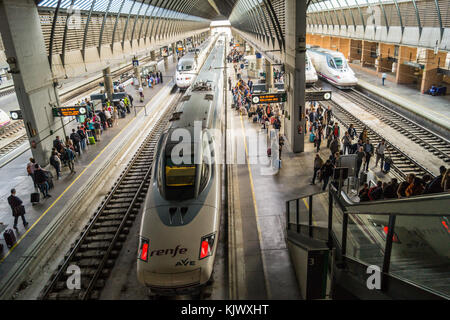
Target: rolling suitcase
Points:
(269, 152)
(255, 119)
(34, 197)
(387, 167)
(91, 140)
(10, 238)
(312, 136)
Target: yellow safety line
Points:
(76, 179)
(254, 205)
(307, 207)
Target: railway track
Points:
(437, 145)
(402, 163)
(100, 243)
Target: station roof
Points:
(192, 9)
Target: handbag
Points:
(19, 211)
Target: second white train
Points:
(333, 67)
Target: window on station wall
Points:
(396, 51)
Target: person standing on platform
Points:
(327, 171)
(318, 163)
(83, 137)
(55, 161)
(76, 141)
(368, 149)
(435, 186)
(161, 77)
(352, 131)
(383, 78)
(30, 170)
(346, 140)
(41, 180)
(360, 155)
(380, 153)
(70, 156)
(18, 210)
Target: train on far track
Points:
(332, 66)
(4, 119)
(181, 219)
(189, 65)
(310, 72)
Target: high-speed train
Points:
(189, 65)
(333, 67)
(181, 219)
(310, 71)
(4, 118)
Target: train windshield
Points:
(179, 179)
(185, 66)
(339, 63)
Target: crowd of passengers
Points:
(322, 127)
(268, 115)
(88, 132)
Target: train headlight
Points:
(206, 245)
(143, 249)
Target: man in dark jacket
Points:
(17, 208)
(327, 171)
(76, 139)
(435, 186)
(41, 180)
(57, 143)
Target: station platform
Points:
(90, 167)
(434, 108)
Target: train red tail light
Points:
(143, 249)
(206, 246)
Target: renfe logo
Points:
(173, 252)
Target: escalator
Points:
(408, 240)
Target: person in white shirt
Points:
(383, 78)
(380, 153)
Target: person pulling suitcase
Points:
(18, 210)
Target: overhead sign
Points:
(318, 95)
(269, 98)
(98, 96)
(135, 62)
(119, 95)
(16, 114)
(69, 111)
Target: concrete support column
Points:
(258, 61)
(430, 75)
(33, 79)
(166, 64)
(174, 52)
(355, 50)
(295, 73)
(107, 80)
(405, 73)
(269, 76)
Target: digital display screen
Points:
(269, 98)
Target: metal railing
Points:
(367, 234)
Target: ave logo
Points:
(185, 263)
